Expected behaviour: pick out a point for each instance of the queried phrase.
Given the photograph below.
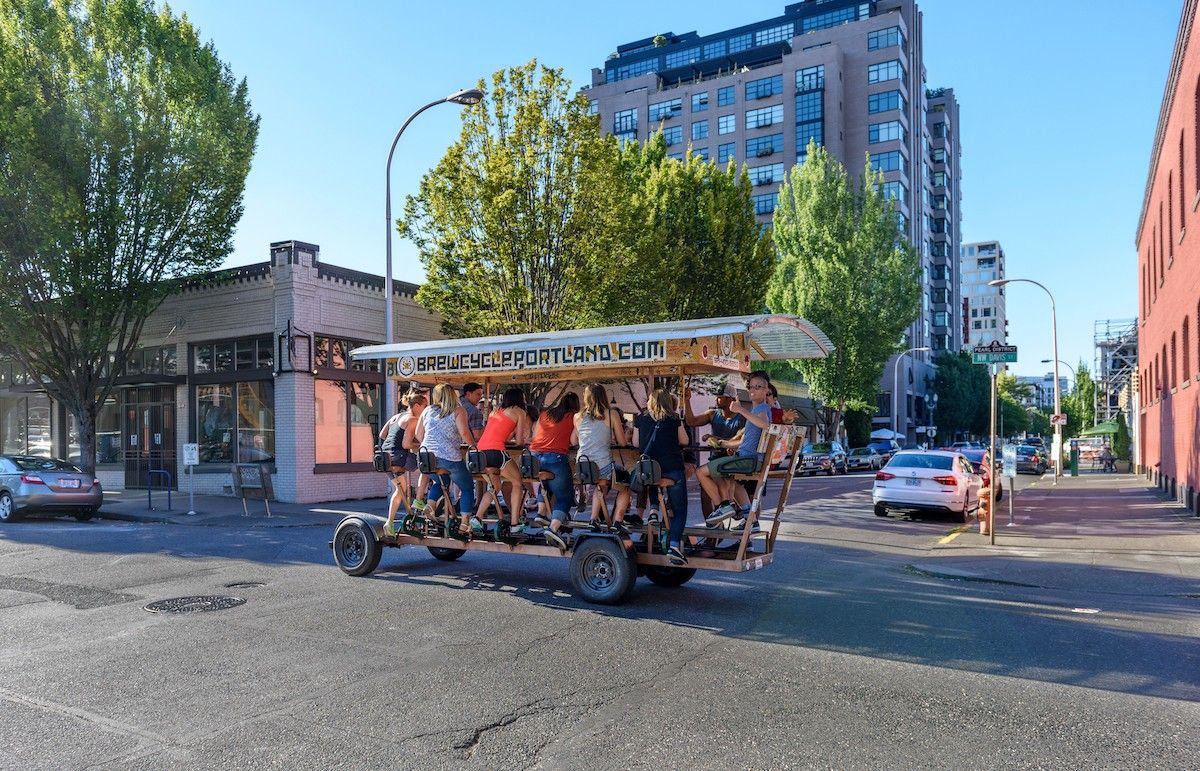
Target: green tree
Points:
(1011, 416)
(1039, 422)
(124, 150)
(532, 221)
(964, 391)
(1122, 442)
(687, 242)
(504, 223)
(844, 264)
(1080, 404)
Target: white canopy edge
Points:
(769, 337)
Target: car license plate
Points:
(72, 483)
(913, 482)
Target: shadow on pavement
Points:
(1024, 632)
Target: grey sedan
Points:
(29, 483)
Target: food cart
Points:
(604, 565)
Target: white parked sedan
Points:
(927, 480)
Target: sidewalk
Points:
(1107, 532)
(225, 511)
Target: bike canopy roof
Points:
(700, 346)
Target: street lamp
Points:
(1054, 355)
(896, 386)
(463, 96)
(1074, 376)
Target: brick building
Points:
(253, 367)
(1168, 247)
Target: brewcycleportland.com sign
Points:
(549, 357)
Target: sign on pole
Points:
(1058, 420)
(994, 352)
(1009, 459)
(191, 454)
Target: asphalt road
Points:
(839, 655)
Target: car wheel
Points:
(7, 511)
(669, 576)
(355, 549)
(831, 471)
(85, 515)
(602, 572)
(880, 510)
(444, 554)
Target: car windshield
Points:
(861, 451)
(922, 460)
(819, 447)
(975, 456)
(1027, 451)
(29, 463)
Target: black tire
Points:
(602, 572)
(85, 515)
(444, 554)
(8, 512)
(355, 549)
(666, 576)
(880, 510)
(832, 470)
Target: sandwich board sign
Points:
(994, 352)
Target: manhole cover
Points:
(194, 604)
(244, 585)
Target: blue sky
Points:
(1059, 104)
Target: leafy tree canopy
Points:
(124, 149)
(844, 265)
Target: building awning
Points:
(1107, 428)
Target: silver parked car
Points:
(29, 483)
(864, 458)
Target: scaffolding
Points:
(1116, 364)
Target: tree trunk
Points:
(85, 420)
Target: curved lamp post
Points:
(896, 387)
(1054, 356)
(464, 96)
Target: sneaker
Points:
(740, 525)
(555, 539)
(618, 528)
(721, 513)
(418, 506)
(634, 520)
(476, 526)
(675, 554)
(390, 529)
(519, 531)
(652, 517)
(597, 526)
(540, 521)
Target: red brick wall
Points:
(1168, 245)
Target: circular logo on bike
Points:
(407, 366)
(726, 342)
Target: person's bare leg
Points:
(710, 486)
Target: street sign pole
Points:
(992, 451)
(191, 458)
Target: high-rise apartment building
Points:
(984, 317)
(847, 74)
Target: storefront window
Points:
(25, 425)
(364, 417)
(256, 422)
(250, 427)
(330, 406)
(214, 423)
(108, 434)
